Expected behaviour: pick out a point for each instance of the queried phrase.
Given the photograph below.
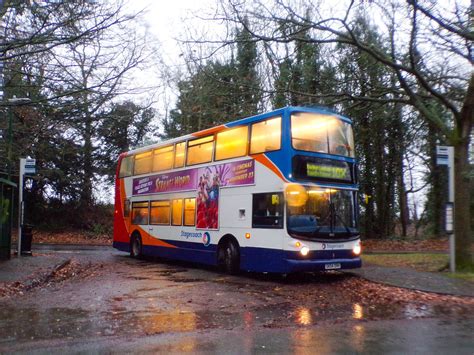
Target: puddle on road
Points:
(32, 324)
(305, 316)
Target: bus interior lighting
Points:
(312, 192)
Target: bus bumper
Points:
(322, 265)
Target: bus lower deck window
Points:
(140, 213)
(189, 211)
(160, 212)
(177, 212)
(267, 210)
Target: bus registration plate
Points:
(332, 266)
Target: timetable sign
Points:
(30, 166)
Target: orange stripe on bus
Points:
(209, 131)
(262, 159)
(147, 239)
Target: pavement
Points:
(28, 268)
(416, 280)
(44, 262)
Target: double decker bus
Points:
(276, 192)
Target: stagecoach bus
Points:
(276, 192)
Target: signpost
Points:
(445, 156)
(27, 166)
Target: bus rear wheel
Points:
(230, 258)
(136, 247)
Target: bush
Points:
(94, 220)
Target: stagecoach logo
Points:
(206, 239)
(325, 246)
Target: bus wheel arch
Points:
(136, 245)
(228, 254)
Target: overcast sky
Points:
(166, 20)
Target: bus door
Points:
(127, 213)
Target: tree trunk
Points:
(86, 193)
(402, 200)
(462, 196)
(462, 207)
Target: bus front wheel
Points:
(136, 248)
(230, 257)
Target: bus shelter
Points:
(6, 217)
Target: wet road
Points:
(123, 305)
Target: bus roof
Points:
(242, 121)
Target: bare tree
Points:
(73, 59)
(429, 50)
(34, 31)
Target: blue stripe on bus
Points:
(286, 111)
(282, 158)
(253, 259)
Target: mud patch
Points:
(169, 272)
(185, 280)
(138, 278)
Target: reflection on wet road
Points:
(145, 305)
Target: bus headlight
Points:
(304, 251)
(357, 249)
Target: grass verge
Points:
(429, 262)
(419, 261)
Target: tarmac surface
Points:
(30, 267)
(117, 304)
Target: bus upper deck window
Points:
(266, 136)
(200, 150)
(126, 166)
(163, 158)
(231, 143)
(309, 131)
(341, 139)
(179, 154)
(142, 163)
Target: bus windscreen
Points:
(321, 133)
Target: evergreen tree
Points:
(248, 87)
(122, 128)
(217, 92)
(304, 76)
(379, 130)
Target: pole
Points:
(20, 202)
(452, 243)
(10, 142)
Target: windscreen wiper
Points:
(336, 215)
(322, 224)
